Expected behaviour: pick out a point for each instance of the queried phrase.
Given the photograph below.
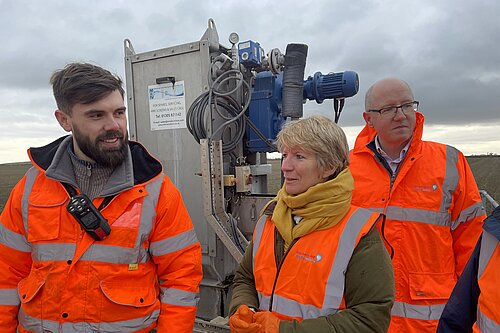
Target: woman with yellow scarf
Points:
(316, 263)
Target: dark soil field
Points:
(486, 170)
(10, 174)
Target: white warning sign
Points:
(167, 106)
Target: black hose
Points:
(293, 80)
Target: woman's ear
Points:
(328, 173)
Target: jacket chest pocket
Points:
(44, 219)
(125, 227)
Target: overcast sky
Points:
(448, 51)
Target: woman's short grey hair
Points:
(318, 135)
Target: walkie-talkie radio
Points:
(91, 220)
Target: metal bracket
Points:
(213, 197)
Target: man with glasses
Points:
(432, 208)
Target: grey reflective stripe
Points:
(264, 301)
(336, 279)
(468, 214)
(347, 243)
(291, 308)
(13, 240)
(148, 213)
(488, 246)
(257, 236)
(174, 243)
(179, 297)
(9, 297)
(31, 175)
(412, 311)
(96, 252)
(376, 210)
(432, 217)
(451, 177)
(50, 326)
(53, 251)
(116, 254)
(415, 215)
(485, 324)
(418, 215)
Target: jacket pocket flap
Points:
(130, 294)
(29, 287)
(424, 286)
(47, 199)
(44, 221)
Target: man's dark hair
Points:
(82, 83)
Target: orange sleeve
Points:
(467, 215)
(15, 258)
(177, 252)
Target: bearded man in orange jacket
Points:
(95, 238)
(427, 193)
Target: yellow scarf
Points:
(321, 206)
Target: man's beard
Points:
(110, 158)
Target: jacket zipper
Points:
(392, 175)
(278, 272)
(89, 169)
(392, 178)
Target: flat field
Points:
(486, 170)
(10, 174)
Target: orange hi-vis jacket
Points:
(433, 219)
(488, 305)
(320, 258)
(54, 277)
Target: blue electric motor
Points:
(266, 102)
(329, 86)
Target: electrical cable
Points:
(226, 107)
(224, 104)
(238, 114)
(338, 108)
(234, 227)
(261, 136)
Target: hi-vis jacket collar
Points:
(139, 166)
(367, 135)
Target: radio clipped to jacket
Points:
(91, 220)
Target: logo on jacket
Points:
(308, 257)
(426, 188)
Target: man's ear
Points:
(63, 120)
(368, 118)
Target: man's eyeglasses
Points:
(390, 111)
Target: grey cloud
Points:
(446, 50)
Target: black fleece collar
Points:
(145, 166)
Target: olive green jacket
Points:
(369, 291)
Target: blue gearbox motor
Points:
(266, 103)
